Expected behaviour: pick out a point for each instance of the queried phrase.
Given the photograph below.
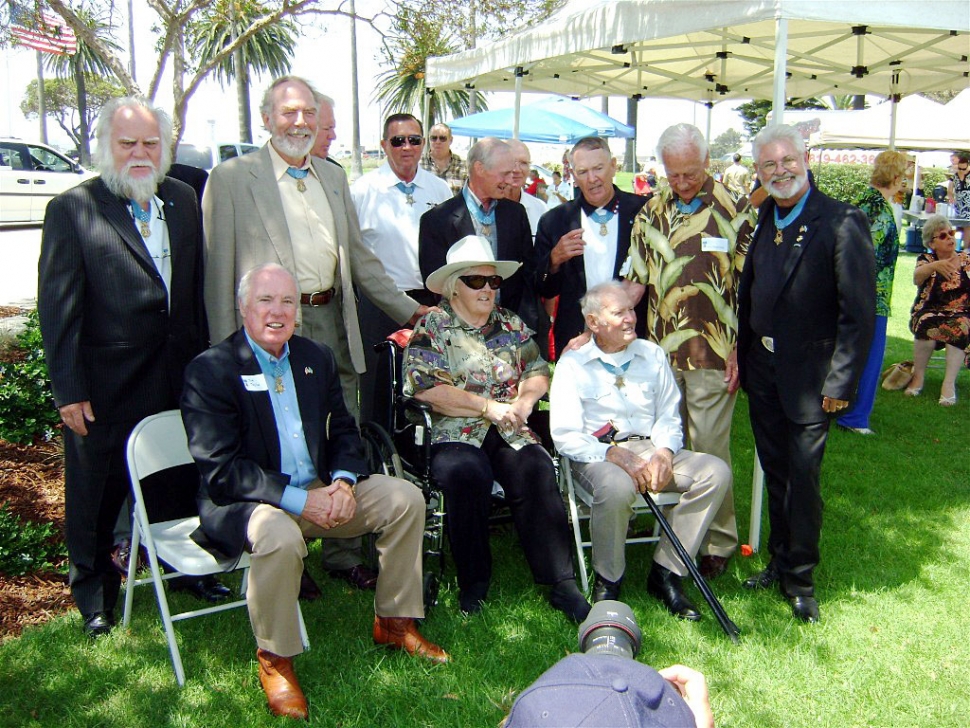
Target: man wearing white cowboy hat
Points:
(479, 368)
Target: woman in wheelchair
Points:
(477, 366)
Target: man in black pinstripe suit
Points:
(121, 314)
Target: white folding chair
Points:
(578, 503)
(157, 443)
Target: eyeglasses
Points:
(789, 163)
(413, 139)
(436, 138)
(945, 234)
(477, 282)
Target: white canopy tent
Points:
(711, 50)
(921, 124)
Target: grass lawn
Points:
(891, 649)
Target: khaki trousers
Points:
(703, 479)
(393, 509)
(706, 411)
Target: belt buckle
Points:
(318, 293)
(769, 343)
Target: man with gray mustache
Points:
(120, 304)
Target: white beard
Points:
(123, 184)
(295, 147)
(800, 182)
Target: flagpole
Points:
(41, 98)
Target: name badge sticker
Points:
(714, 245)
(254, 383)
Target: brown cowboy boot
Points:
(282, 689)
(401, 633)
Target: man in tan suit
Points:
(280, 205)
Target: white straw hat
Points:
(469, 252)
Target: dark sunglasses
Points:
(413, 139)
(435, 138)
(938, 236)
(477, 283)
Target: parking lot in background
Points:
(19, 253)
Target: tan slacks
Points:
(393, 509)
(703, 480)
(706, 411)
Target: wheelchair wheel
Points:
(430, 590)
(381, 454)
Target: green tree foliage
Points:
(754, 113)
(61, 103)
(27, 411)
(726, 143)
(847, 182)
(269, 50)
(85, 64)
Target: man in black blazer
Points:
(481, 209)
(806, 317)
(281, 459)
(121, 314)
(571, 245)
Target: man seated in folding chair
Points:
(614, 415)
(281, 459)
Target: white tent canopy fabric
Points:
(921, 124)
(707, 50)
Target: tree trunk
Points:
(242, 97)
(84, 149)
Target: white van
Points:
(31, 174)
(196, 155)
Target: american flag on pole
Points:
(45, 31)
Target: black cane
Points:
(729, 627)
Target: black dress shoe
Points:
(309, 589)
(204, 588)
(358, 576)
(665, 586)
(471, 599)
(604, 589)
(712, 567)
(568, 599)
(804, 608)
(98, 624)
(763, 579)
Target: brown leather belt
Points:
(317, 298)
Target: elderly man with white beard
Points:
(120, 305)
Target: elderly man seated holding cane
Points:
(281, 459)
(614, 414)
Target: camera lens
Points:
(610, 629)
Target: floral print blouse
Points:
(885, 241)
(490, 361)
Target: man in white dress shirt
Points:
(390, 201)
(615, 415)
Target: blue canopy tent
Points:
(552, 121)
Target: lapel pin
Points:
(307, 370)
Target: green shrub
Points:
(845, 182)
(27, 410)
(25, 546)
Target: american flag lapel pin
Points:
(308, 371)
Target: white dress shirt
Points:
(389, 225)
(599, 255)
(534, 208)
(584, 397)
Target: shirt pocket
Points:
(641, 398)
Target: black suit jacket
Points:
(569, 282)
(109, 335)
(824, 315)
(234, 440)
(444, 225)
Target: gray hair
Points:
(266, 105)
(682, 137)
(590, 144)
(484, 151)
(103, 158)
(778, 133)
(246, 282)
(932, 226)
(322, 99)
(595, 298)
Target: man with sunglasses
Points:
(806, 316)
(482, 209)
(686, 252)
(443, 162)
(390, 201)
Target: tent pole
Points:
(894, 96)
(518, 102)
(781, 63)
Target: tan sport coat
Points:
(245, 226)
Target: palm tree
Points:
(269, 49)
(402, 88)
(85, 62)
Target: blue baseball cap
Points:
(604, 691)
